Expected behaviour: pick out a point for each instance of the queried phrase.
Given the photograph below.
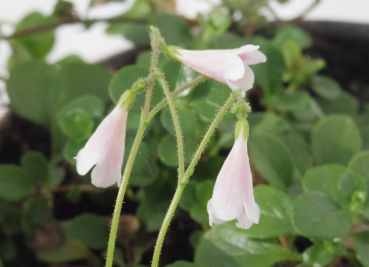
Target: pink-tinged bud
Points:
(226, 66)
(233, 195)
(105, 149)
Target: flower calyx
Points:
(242, 130)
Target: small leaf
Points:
(187, 118)
(294, 34)
(36, 90)
(15, 182)
(362, 247)
(276, 211)
(182, 264)
(316, 215)
(76, 124)
(344, 104)
(92, 104)
(325, 87)
(272, 159)
(318, 255)
(91, 230)
(335, 139)
(86, 79)
(360, 164)
(36, 165)
(226, 245)
(289, 102)
(204, 191)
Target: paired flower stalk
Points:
(233, 192)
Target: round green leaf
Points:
(92, 104)
(36, 165)
(294, 34)
(204, 191)
(318, 255)
(362, 247)
(36, 91)
(271, 158)
(295, 101)
(276, 212)
(316, 215)
(226, 245)
(39, 44)
(360, 164)
(77, 124)
(167, 150)
(91, 230)
(70, 151)
(325, 87)
(335, 139)
(86, 79)
(15, 182)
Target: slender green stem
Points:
(155, 38)
(177, 126)
(165, 225)
(182, 183)
(163, 103)
(121, 193)
(209, 133)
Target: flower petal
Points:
(233, 184)
(252, 209)
(246, 82)
(243, 221)
(253, 57)
(105, 148)
(212, 218)
(217, 64)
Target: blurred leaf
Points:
(91, 230)
(208, 107)
(276, 212)
(195, 238)
(76, 124)
(343, 104)
(36, 212)
(56, 176)
(147, 175)
(124, 79)
(316, 215)
(167, 150)
(10, 218)
(199, 213)
(325, 87)
(142, 158)
(204, 191)
(289, 102)
(173, 29)
(360, 164)
(92, 104)
(318, 255)
(36, 165)
(188, 198)
(71, 150)
(325, 179)
(38, 44)
(36, 90)
(226, 245)
(266, 122)
(271, 158)
(15, 182)
(362, 247)
(19, 56)
(85, 79)
(335, 139)
(294, 34)
(187, 120)
(268, 75)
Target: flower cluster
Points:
(233, 192)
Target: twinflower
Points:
(229, 66)
(105, 148)
(233, 196)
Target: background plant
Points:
(308, 147)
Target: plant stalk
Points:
(182, 182)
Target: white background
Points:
(93, 44)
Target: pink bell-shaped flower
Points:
(229, 66)
(233, 196)
(105, 148)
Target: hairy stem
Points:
(177, 126)
(155, 38)
(121, 193)
(182, 182)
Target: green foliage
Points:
(308, 148)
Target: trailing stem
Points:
(183, 181)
